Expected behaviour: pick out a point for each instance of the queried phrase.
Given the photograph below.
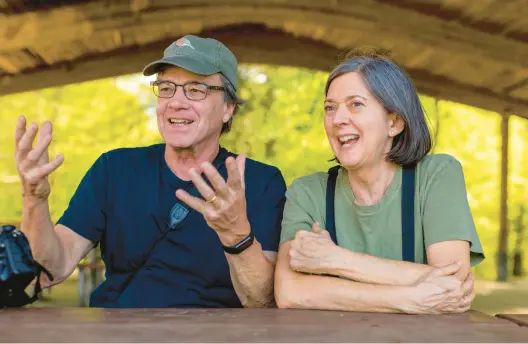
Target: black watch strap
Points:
(240, 246)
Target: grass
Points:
(60, 295)
(501, 297)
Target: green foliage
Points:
(88, 119)
(282, 124)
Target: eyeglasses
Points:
(193, 90)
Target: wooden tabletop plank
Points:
(248, 325)
(519, 319)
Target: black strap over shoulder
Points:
(407, 211)
(330, 197)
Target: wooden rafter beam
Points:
(250, 46)
(66, 24)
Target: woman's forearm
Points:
(299, 290)
(330, 293)
(370, 269)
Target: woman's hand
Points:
(441, 292)
(313, 252)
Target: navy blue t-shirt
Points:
(123, 202)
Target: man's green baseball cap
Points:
(204, 56)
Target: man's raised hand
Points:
(33, 162)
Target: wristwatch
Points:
(241, 245)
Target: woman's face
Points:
(357, 125)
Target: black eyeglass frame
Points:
(207, 87)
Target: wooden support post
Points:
(93, 272)
(502, 253)
(81, 287)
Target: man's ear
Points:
(396, 124)
(228, 111)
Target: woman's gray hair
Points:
(389, 83)
(231, 97)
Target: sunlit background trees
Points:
(282, 124)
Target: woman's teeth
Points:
(348, 140)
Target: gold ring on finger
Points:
(212, 199)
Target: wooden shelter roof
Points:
(473, 52)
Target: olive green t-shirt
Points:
(441, 211)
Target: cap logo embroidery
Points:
(184, 42)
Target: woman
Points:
(376, 126)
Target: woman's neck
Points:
(181, 160)
(370, 184)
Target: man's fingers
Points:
(25, 143)
(233, 176)
(20, 129)
(45, 130)
(218, 182)
(235, 173)
(45, 170)
(193, 202)
(42, 146)
(205, 190)
(241, 166)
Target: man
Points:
(181, 224)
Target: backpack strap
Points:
(330, 196)
(407, 212)
(38, 288)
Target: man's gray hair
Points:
(231, 97)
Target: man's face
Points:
(191, 124)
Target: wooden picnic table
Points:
(248, 325)
(519, 319)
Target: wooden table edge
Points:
(512, 318)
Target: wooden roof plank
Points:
(30, 29)
(16, 61)
(256, 49)
(70, 37)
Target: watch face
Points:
(245, 243)
(241, 246)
